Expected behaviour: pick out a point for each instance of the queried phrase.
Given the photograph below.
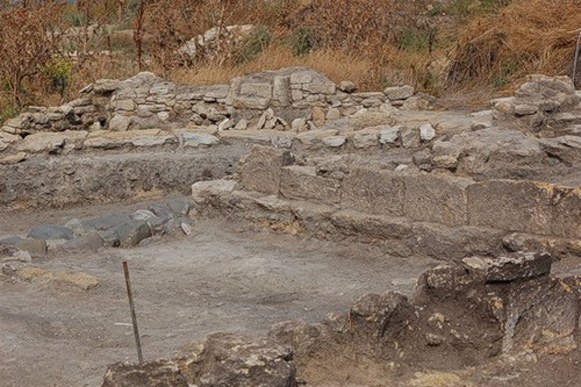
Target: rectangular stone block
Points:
(320, 88)
(241, 102)
(302, 183)
(281, 91)
(261, 170)
(538, 208)
(256, 90)
(437, 199)
(374, 192)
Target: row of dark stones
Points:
(112, 230)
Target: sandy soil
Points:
(221, 279)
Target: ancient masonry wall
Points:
(437, 214)
(146, 101)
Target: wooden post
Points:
(133, 316)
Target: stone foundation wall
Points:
(523, 206)
(146, 101)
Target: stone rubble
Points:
(468, 314)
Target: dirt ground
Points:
(223, 278)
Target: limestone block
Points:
(374, 192)
(320, 88)
(538, 208)
(366, 138)
(119, 123)
(281, 90)
(261, 170)
(389, 134)
(256, 90)
(334, 141)
(193, 139)
(432, 198)
(302, 183)
(243, 102)
(399, 92)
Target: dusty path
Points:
(221, 279)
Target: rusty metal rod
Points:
(576, 60)
(133, 316)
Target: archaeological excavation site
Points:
(285, 230)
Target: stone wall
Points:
(146, 101)
(545, 105)
(524, 206)
(405, 213)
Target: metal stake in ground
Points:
(133, 317)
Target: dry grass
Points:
(337, 64)
(528, 36)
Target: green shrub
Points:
(503, 76)
(253, 45)
(417, 39)
(303, 41)
(58, 72)
(7, 111)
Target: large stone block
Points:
(439, 199)
(302, 183)
(538, 208)
(374, 192)
(256, 90)
(262, 168)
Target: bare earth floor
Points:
(222, 278)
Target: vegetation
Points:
(52, 48)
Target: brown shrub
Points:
(348, 24)
(527, 36)
(28, 40)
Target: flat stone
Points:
(50, 231)
(132, 232)
(13, 159)
(427, 132)
(399, 92)
(107, 222)
(159, 373)
(514, 267)
(194, 140)
(119, 123)
(48, 141)
(334, 141)
(179, 207)
(204, 190)
(91, 242)
(389, 135)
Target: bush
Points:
(526, 36)
(253, 45)
(348, 24)
(58, 72)
(303, 41)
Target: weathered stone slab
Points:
(50, 231)
(439, 199)
(514, 267)
(160, 373)
(302, 183)
(374, 192)
(538, 208)
(203, 190)
(262, 168)
(193, 139)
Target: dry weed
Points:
(527, 36)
